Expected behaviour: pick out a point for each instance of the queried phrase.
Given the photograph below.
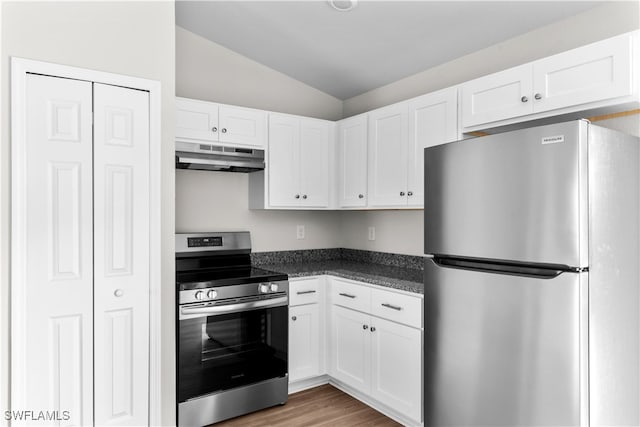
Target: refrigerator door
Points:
(504, 350)
(518, 196)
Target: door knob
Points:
(524, 99)
(402, 193)
(294, 318)
(360, 196)
(214, 129)
(537, 96)
(224, 130)
(304, 197)
(365, 327)
(373, 329)
(297, 196)
(410, 193)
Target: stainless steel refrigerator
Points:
(532, 301)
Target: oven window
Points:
(221, 352)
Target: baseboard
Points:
(380, 407)
(307, 383)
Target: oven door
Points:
(227, 346)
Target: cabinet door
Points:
(351, 348)
(52, 286)
(497, 96)
(304, 341)
(314, 163)
(283, 164)
(387, 156)
(396, 378)
(595, 72)
(121, 255)
(242, 126)
(352, 162)
(433, 120)
(196, 120)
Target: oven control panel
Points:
(203, 242)
(235, 291)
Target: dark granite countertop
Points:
(359, 268)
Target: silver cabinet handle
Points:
(297, 196)
(524, 99)
(347, 295)
(402, 193)
(365, 327)
(373, 329)
(392, 307)
(410, 193)
(118, 293)
(294, 318)
(304, 196)
(537, 96)
(360, 196)
(305, 292)
(214, 129)
(224, 130)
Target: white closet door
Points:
(53, 330)
(121, 214)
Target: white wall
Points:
(132, 38)
(211, 72)
(218, 201)
(401, 231)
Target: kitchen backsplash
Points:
(313, 255)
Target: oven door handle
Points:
(193, 312)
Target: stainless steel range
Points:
(232, 329)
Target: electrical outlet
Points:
(300, 232)
(372, 233)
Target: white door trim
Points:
(19, 69)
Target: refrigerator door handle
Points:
(541, 271)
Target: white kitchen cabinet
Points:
(304, 342)
(376, 344)
(82, 258)
(387, 155)
(397, 137)
(433, 120)
(306, 328)
(352, 162)
(351, 348)
(396, 366)
(209, 122)
(297, 163)
(591, 76)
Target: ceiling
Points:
(345, 54)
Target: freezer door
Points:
(504, 350)
(518, 196)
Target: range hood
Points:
(218, 158)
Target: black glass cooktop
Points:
(188, 280)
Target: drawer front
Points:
(304, 291)
(350, 295)
(397, 307)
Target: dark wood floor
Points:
(320, 406)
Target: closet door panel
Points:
(52, 354)
(121, 198)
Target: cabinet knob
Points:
(373, 329)
(294, 318)
(214, 129)
(365, 327)
(410, 193)
(118, 293)
(360, 196)
(537, 96)
(304, 196)
(224, 130)
(524, 99)
(402, 193)
(297, 196)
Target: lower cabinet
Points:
(380, 358)
(304, 342)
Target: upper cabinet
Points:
(352, 162)
(398, 135)
(297, 165)
(218, 123)
(592, 76)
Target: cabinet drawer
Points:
(397, 307)
(350, 295)
(304, 291)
